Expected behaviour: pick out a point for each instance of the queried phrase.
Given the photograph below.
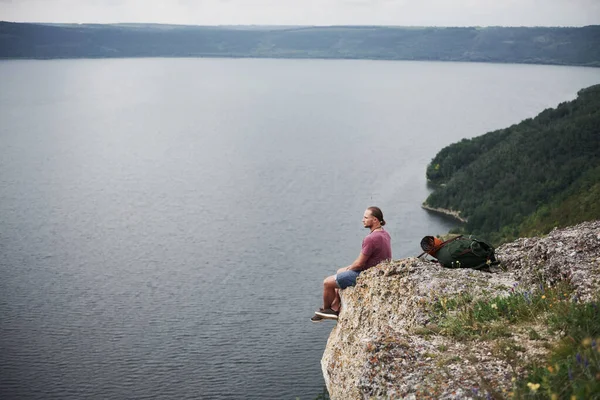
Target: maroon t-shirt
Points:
(377, 247)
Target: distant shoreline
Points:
(289, 57)
(509, 45)
(444, 211)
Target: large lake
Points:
(166, 224)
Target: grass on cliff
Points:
(572, 368)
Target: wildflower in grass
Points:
(494, 306)
(573, 397)
(544, 296)
(550, 369)
(554, 396)
(578, 357)
(533, 386)
(570, 374)
(586, 342)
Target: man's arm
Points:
(357, 265)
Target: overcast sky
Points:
(309, 12)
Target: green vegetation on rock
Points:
(526, 179)
(572, 366)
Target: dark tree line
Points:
(526, 179)
(565, 46)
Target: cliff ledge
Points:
(386, 343)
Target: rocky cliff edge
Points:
(386, 344)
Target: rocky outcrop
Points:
(386, 346)
(571, 253)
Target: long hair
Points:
(377, 213)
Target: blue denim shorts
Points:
(346, 278)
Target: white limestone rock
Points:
(384, 345)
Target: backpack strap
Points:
(438, 247)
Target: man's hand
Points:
(356, 265)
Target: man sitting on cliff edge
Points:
(376, 247)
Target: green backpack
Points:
(461, 252)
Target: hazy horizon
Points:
(459, 13)
(295, 25)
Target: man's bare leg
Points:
(330, 294)
(336, 304)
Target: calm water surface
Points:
(165, 224)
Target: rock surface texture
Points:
(385, 345)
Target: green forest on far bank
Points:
(533, 45)
(526, 179)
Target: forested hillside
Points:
(543, 45)
(526, 179)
